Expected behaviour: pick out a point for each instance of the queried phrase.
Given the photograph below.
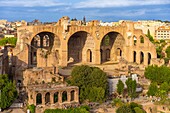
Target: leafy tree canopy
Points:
(131, 87)
(92, 82)
(11, 41)
(158, 74)
(120, 87)
(153, 89)
(8, 91)
(165, 86)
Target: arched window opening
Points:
(38, 99)
(141, 39)
(55, 97)
(141, 57)
(119, 52)
(46, 40)
(47, 98)
(72, 95)
(64, 96)
(134, 56)
(134, 40)
(149, 58)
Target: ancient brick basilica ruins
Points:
(41, 49)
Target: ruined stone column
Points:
(97, 56)
(52, 98)
(68, 96)
(64, 53)
(76, 96)
(64, 57)
(34, 98)
(43, 98)
(60, 97)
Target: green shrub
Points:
(8, 91)
(31, 108)
(158, 74)
(117, 102)
(124, 109)
(138, 110)
(82, 109)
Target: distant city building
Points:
(110, 23)
(3, 22)
(21, 23)
(146, 25)
(35, 22)
(163, 32)
(106, 23)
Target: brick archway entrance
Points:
(43, 42)
(111, 47)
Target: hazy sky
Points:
(105, 10)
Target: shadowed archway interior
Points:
(111, 47)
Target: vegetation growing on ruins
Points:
(130, 108)
(92, 83)
(82, 109)
(159, 47)
(168, 51)
(8, 91)
(5, 41)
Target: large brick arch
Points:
(116, 43)
(78, 44)
(77, 31)
(111, 31)
(42, 45)
(105, 32)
